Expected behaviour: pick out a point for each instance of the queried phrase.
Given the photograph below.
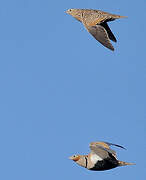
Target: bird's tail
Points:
(122, 163)
(118, 16)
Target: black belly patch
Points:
(105, 164)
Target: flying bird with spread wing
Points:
(95, 21)
(101, 157)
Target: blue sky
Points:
(60, 89)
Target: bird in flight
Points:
(95, 21)
(101, 157)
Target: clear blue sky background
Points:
(60, 89)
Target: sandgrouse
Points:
(101, 157)
(95, 21)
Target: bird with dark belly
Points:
(101, 157)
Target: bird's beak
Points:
(74, 158)
(70, 158)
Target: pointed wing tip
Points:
(111, 144)
(112, 49)
(114, 40)
(122, 147)
(109, 46)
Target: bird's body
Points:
(95, 21)
(100, 158)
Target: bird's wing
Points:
(100, 34)
(111, 144)
(101, 149)
(110, 34)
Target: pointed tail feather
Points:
(118, 17)
(122, 163)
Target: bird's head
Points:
(76, 13)
(75, 157)
(71, 11)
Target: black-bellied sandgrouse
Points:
(95, 21)
(101, 157)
